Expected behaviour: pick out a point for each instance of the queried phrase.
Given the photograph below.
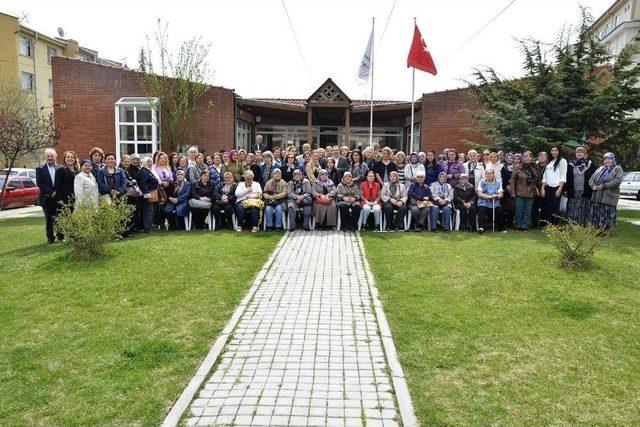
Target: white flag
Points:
(365, 66)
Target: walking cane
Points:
(493, 208)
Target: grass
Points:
(490, 331)
(113, 341)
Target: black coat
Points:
(64, 183)
(571, 190)
(200, 189)
(43, 180)
(217, 193)
(147, 181)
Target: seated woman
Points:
(370, 200)
(349, 196)
(299, 198)
(419, 201)
(224, 199)
(489, 195)
(201, 200)
(605, 183)
(464, 199)
(248, 202)
(275, 195)
(442, 195)
(177, 207)
(323, 191)
(394, 198)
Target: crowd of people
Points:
(338, 187)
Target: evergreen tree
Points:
(142, 60)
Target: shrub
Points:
(576, 243)
(87, 230)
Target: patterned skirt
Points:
(579, 208)
(603, 215)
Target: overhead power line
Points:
(386, 24)
(295, 36)
(504, 9)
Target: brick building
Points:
(105, 106)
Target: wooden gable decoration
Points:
(329, 93)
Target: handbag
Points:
(325, 202)
(270, 202)
(199, 204)
(306, 201)
(252, 203)
(106, 198)
(134, 191)
(162, 196)
(153, 198)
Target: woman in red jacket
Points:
(370, 200)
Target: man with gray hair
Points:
(258, 145)
(48, 199)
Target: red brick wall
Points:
(90, 91)
(444, 122)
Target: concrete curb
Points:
(182, 403)
(405, 405)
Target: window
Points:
(14, 183)
(25, 46)
(136, 126)
(636, 178)
(50, 88)
(243, 135)
(28, 183)
(51, 52)
(27, 81)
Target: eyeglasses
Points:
(486, 154)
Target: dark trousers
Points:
(551, 205)
(252, 214)
(399, 219)
(485, 212)
(148, 215)
(228, 215)
(536, 216)
(467, 217)
(176, 223)
(197, 218)
(349, 216)
(50, 209)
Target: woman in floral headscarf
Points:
(577, 189)
(323, 191)
(605, 183)
(235, 166)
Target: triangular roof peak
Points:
(329, 93)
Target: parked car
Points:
(631, 185)
(31, 173)
(20, 191)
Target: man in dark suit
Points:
(45, 178)
(259, 145)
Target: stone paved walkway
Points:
(307, 349)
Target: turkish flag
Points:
(419, 56)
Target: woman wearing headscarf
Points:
(370, 201)
(577, 189)
(248, 202)
(148, 181)
(275, 195)
(420, 201)
(453, 167)
(464, 199)
(411, 169)
(201, 200)
(299, 198)
(85, 186)
(224, 199)
(605, 183)
(524, 187)
(357, 167)
(509, 162)
(197, 169)
(177, 207)
(394, 198)
(489, 194)
(323, 191)
(442, 195)
(235, 166)
(348, 195)
(268, 168)
(471, 165)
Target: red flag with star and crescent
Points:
(419, 56)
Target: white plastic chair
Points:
(234, 221)
(406, 222)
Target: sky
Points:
(254, 52)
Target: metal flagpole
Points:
(373, 25)
(413, 86)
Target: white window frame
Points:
(50, 88)
(137, 102)
(32, 77)
(51, 52)
(243, 131)
(29, 44)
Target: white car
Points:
(31, 173)
(631, 185)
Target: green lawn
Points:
(113, 341)
(490, 331)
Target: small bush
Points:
(576, 243)
(87, 230)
